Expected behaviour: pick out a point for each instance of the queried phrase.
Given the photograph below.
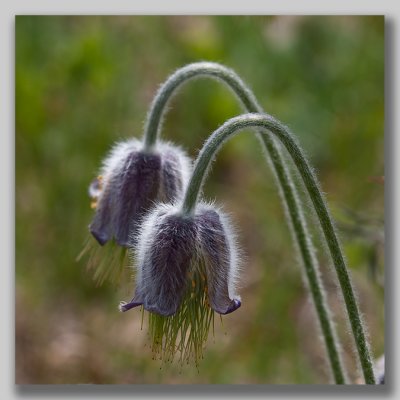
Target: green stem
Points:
(287, 190)
(183, 75)
(266, 122)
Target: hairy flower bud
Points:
(186, 269)
(132, 180)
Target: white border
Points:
(201, 7)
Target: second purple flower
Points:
(131, 181)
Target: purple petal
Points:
(235, 304)
(216, 253)
(128, 306)
(101, 226)
(166, 263)
(138, 189)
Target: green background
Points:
(84, 82)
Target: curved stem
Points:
(287, 190)
(266, 122)
(183, 75)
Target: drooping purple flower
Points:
(131, 180)
(186, 270)
(173, 249)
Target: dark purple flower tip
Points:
(123, 306)
(100, 235)
(235, 304)
(132, 180)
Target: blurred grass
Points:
(84, 82)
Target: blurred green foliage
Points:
(84, 82)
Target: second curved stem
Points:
(268, 123)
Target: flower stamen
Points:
(108, 262)
(185, 333)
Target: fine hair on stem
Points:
(270, 125)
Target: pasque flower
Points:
(187, 266)
(131, 180)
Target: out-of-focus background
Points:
(84, 82)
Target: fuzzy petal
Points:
(164, 267)
(123, 306)
(101, 227)
(216, 250)
(138, 189)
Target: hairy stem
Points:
(288, 192)
(271, 125)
